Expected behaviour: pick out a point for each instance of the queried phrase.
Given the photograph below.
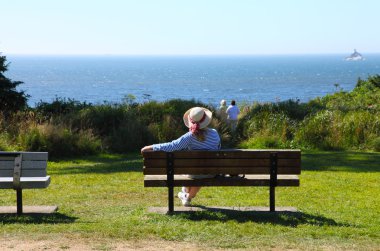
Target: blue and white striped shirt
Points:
(189, 141)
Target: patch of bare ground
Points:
(67, 243)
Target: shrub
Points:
(376, 144)
(59, 141)
(34, 140)
(319, 132)
(262, 123)
(262, 142)
(129, 137)
(59, 107)
(5, 143)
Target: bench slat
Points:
(249, 180)
(223, 170)
(25, 182)
(232, 153)
(180, 163)
(25, 155)
(24, 173)
(26, 164)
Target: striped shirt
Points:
(188, 141)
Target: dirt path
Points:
(14, 244)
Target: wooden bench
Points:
(269, 168)
(23, 170)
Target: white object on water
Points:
(356, 56)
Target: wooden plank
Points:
(180, 163)
(25, 182)
(223, 170)
(24, 173)
(226, 153)
(249, 180)
(25, 155)
(26, 164)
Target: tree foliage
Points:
(11, 99)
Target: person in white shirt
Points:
(232, 115)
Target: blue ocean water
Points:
(209, 79)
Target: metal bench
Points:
(269, 168)
(23, 170)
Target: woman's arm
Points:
(147, 148)
(181, 143)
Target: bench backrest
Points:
(234, 161)
(33, 164)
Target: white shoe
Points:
(184, 197)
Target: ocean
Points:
(99, 79)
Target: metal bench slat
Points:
(26, 164)
(25, 155)
(24, 173)
(25, 182)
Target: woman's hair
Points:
(201, 134)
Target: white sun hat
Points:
(197, 115)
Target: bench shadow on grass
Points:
(103, 164)
(341, 161)
(37, 218)
(284, 218)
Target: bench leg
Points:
(272, 198)
(19, 201)
(170, 199)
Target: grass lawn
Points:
(102, 198)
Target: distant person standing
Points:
(222, 110)
(232, 115)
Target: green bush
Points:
(87, 143)
(262, 142)
(126, 138)
(59, 141)
(376, 144)
(5, 144)
(319, 132)
(265, 124)
(34, 140)
(59, 107)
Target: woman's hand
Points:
(147, 148)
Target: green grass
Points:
(102, 197)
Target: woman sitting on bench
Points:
(199, 137)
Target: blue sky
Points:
(192, 27)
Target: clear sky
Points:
(191, 27)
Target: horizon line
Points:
(182, 55)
